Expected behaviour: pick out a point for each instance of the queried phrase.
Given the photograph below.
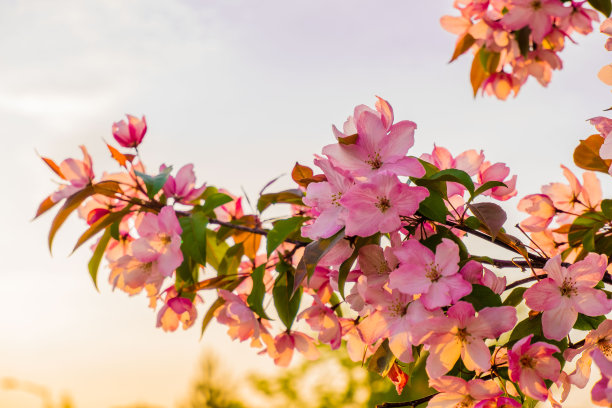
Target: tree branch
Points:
(413, 403)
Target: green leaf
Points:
(101, 224)
(255, 299)
(312, 254)
(96, 258)
(583, 229)
(585, 322)
(487, 186)
(481, 297)
(604, 6)
(515, 297)
(472, 222)
(187, 274)
(430, 169)
(231, 260)
(286, 303)
(382, 359)
(281, 230)
(606, 208)
(72, 203)
(194, 236)
(491, 215)
(522, 37)
(433, 207)
(114, 231)
(213, 201)
(456, 176)
(293, 196)
(214, 250)
(154, 183)
(531, 325)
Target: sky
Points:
(243, 90)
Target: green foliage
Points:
(604, 6)
(585, 322)
(433, 207)
(282, 230)
(154, 184)
(194, 236)
(96, 258)
(286, 197)
(213, 201)
(482, 297)
(312, 255)
(256, 297)
(515, 297)
(286, 303)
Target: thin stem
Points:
(413, 403)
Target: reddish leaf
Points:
(54, 167)
(348, 140)
(477, 74)
(249, 241)
(586, 155)
(71, 204)
(398, 377)
(218, 282)
(108, 188)
(491, 215)
(121, 158)
(300, 173)
(464, 44)
(45, 206)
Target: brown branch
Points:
(413, 403)
(606, 279)
(252, 230)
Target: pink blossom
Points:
(462, 334)
(457, 392)
(433, 276)
(376, 205)
(356, 346)
(381, 145)
(79, 173)
(541, 210)
(497, 172)
(323, 320)
(130, 134)
(499, 402)
(598, 339)
(242, 322)
(580, 19)
(281, 350)
(475, 273)
(602, 391)
(567, 292)
(468, 161)
(182, 187)
(324, 198)
(132, 276)
(177, 310)
(529, 364)
(160, 240)
(575, 198)
(538, 15)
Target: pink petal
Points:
(443, 356)
(475, 354)
(447, 257)
(544, 295)
(592, 302)
(557, 322)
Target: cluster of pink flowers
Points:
(515, 39)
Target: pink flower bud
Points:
(130, 134)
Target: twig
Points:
(413, 403)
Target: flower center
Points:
(433, 274)
(462, 334)
(383, 204)
(568, 288)
(536, 5)
(374, 161)
(398, 309)
(335, 198)
(605, 347)
(527, 362)
(467, 402)
(383, 269)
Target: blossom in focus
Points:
(598, 339)
(497, 172)
(530, 364)
(434, 276)
(602, 391)
(281, 350)
(130, 134)
(160, 240)
(461, 334)
(567, 292)
(376, 205)
(457, 392)
(242, 322)
(538, 15)
(182, 186)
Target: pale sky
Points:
(242, 89)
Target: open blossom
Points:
(602, 391)
(497, 172)
(281, 349)
(541, 210)
(457, 392)
(324, 198)
(468, 161)
(380, 145)
(160, 240)
(242, 322)
(376, 205)
(599, 339)
(538, 15)
(79, 173)
(575, 198)
(177, 310)
(434, 276)
(182, 186)
(323, 320)
(475, 273)
(567, 292)
(130, 134)
(461, 334)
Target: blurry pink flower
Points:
(182, 187)
(457, 392)
(242, 322)
(474, 272)
(538, 15)
(356, 346)
(76, 172)
(529, 364)
(130, 134)
(575, 198)
(322, 319)
(380, 144)
(602, 391)
(376, 205)
(160, 240)
(462, 334)
(567, 292)
(501, 84)
(284, 344)
(177, 310)
(499, 402)
(497, 172)
(432, 275)
(132, 276)
(580, 19)
(541, 210)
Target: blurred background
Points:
(242, 89)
